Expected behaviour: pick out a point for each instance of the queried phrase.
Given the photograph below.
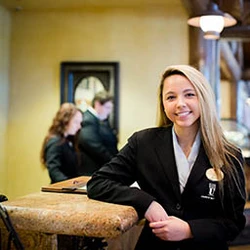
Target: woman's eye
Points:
(170, 97)
(190, 94)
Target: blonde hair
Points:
(217, 147)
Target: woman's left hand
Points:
(171, 229)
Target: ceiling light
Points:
(212, 21)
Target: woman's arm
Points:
(112, 182)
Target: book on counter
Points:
(74, 185)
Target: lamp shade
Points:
(212, 21)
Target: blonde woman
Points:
(191, 179)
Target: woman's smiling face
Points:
(180, 101)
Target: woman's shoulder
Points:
(153, 132)
(54, 140)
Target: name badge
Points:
(212, 176)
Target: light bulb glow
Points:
(212, 23)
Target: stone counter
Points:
(69, 214)
(52, 221)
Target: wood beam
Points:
(238, 32)
(229, 61)
(195, 7)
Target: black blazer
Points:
(97, 143)
(61, 159)
(148, 158)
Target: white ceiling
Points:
(77, 4)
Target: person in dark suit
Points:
(58, 151)
(97, 141)
(191, 182)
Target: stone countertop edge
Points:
(70, 214)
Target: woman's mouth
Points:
(185, 113)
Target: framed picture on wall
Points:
(81, 80)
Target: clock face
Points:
(85, 91)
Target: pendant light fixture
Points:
(212, 21)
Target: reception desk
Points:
(62, 221)
(50, 220)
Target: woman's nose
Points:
(181, 101)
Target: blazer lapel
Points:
(165, 152)
(199, 168)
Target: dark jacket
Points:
(61, 159)
(148, 158)
(97, 143)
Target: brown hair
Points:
(102, 97)
(59, 125)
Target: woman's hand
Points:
(171, 229)
(155, 212)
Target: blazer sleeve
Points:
(112, 182)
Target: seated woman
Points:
(58, 152)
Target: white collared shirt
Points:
(93, 111)
(184, 164)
